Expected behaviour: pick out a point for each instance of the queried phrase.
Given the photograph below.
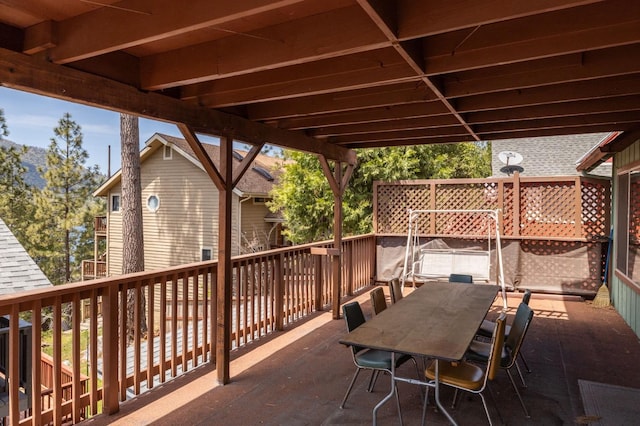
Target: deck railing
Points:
(270, 291)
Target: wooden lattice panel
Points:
(475, 196)
(547, 208)
(595, 206)
(507, 209)
(393, 204)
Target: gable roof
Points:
(256, 182)
(547, 156)
(18, 271)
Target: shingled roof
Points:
(548, 156)
(257, 181)
(18, 271)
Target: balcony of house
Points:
(287, 365)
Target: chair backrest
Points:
(526, 296)
(378, 301)
(354, 317)
(461, 278)
(497, 343)
(519, 328)
(395, 289)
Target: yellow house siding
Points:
(254, 229)
(186, 220)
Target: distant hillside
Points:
(34, 158)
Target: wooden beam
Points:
(91, 34)
(326, 35)
(201, 154)
(574, 67)
(597, 26)
(29, 74)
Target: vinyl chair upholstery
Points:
(378, 300)
(395, 289)
(368, 359)
(461, 278)
(467, 376)
(480, 351)
(487, 326)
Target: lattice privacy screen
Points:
(564, 207)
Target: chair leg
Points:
(524, 384)
(515, 387)
(424, 406)
(346, 395)
(524, 361)
(397, 401)
(486, 409)
(373, 380)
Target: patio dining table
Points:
(437, 320)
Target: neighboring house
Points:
(180, 206)
(546, 156)
(18, 271)
(624, 272)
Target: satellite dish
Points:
(510, 158)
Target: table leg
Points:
(438, 403)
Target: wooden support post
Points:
(338, 183)
(110, 349)
(224, 282)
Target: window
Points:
(260, 200)
(628, 224)
(206, 254)
(167, 154)
(153, 203)
(115, 203)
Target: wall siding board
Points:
(186, 220)
(625, 299)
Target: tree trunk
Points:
(132, 236)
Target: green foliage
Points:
(15, 195)
(62, 206)
(305, 199)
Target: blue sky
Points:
(32, 118)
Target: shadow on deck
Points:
(298, 377)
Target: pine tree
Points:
(62, 204)
(132, 235)
(15, 194)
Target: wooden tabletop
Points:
(437, 320)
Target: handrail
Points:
(179, 305)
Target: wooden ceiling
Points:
(326, 76)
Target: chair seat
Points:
(486, 329)
(373, 358)
(480, 351)
(462, 374)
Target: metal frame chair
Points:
(461, 278)
(487, 326)
(479, 351)
(395, 289)
(368, 359)
(469, 377)
(378, 300)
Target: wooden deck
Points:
(298, 377)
